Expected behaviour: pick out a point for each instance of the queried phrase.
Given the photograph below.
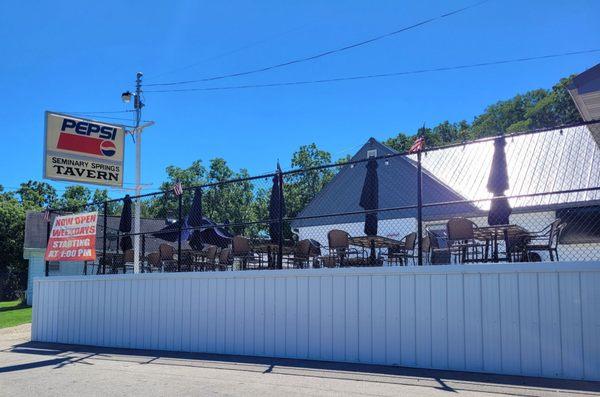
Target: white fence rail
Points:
(538, 320)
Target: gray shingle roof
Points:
(397, 188)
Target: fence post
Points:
(280, 220)
(143, 252)
(179, 220)
(47, 265)
(419, 209)
(104, 226)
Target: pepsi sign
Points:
(83, 151)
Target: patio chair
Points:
(304, 252)
(225, 259)
(210, 258)
(462, 242)
(546, 239)
(128, 261)
(402, 253)
(154, 262)
(241, 250)
(340, 253)
(167, 254)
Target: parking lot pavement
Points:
(30, 368)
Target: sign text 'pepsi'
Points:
(84, 151)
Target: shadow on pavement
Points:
(439, 379)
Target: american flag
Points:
(418, 145)
(47, 215)
(178, 189)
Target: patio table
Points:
(506, 232)
(271, 249)
(373, 242)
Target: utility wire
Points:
(372, 76)
(322, 54)
(113, 111)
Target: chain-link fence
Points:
(526, 197)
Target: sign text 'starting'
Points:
(81, 150)
(73, 238)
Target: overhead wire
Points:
(381, 75)
(322, 54)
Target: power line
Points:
(322, 54)
(372, 76)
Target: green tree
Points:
(36, 195)
(75, 199)
(13, 268)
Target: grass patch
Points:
(14, 313)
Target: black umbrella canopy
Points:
(125, 224)
(369, 198)
(498, 184)
(195, 220)
(276, 207)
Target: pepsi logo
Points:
(108, 148)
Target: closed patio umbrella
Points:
(125, 224)
(369, 198)
(276, 208)
(194, 219)
(498, 184)
(369, 201)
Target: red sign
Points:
(73, 238)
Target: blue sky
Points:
(79, 56)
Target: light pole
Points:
(137, 132)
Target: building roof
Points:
(397, 188)
(542, 162)
(35, 232)
(585, 91)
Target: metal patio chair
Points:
(462, 242)
(546, 239)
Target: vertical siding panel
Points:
(153, 294)
(306, 326)
(570, 315)
(339, 325)
(259, 316)
(239, 306)
(379, 310)
(473, 323)
(590, 300)
(35, 313)
(423, 320)
(408, 330)
(249, 316)
(315, 306)
(122, 319)
(509, 313)
(230, 316)
(107, 298)
(280, 316)
(174, 314)
(69, 309)
(456, 322)
(550, 339)
(270, 320)
(186, 314)
(291, 316)
(135, 311)
(365, 320)
(163, 315)
(211, 322)
(352, 295)
(221, 315)
(439, 322)
(392, 319)
(326, 308)
(197, 329)
(530, 324)
(492, 327)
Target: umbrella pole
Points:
(419, 209)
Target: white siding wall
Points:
(536, 319)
